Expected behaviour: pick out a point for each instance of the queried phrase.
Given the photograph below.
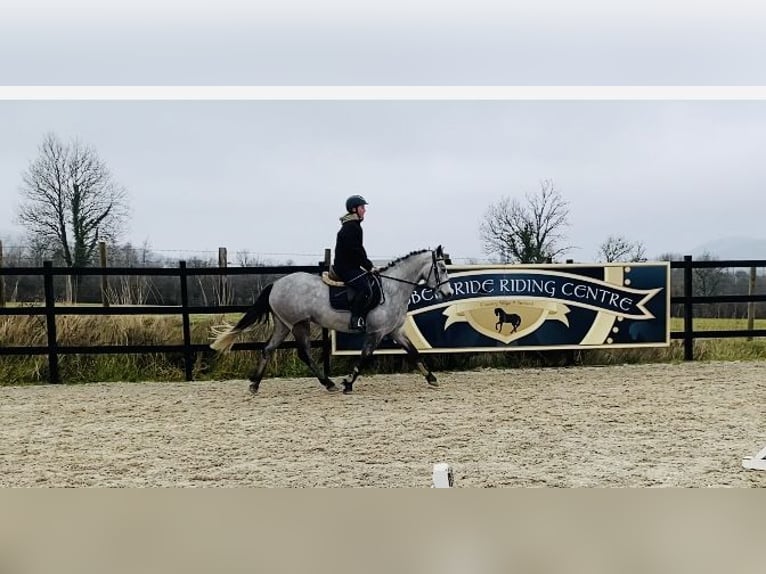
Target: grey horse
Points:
(298, 299)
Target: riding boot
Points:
(357, 322)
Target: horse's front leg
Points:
(414, 357)
(371, 342)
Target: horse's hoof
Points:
(431, 380)
(332, 387)
(253, 388)
(347, 388)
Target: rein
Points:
(434, 269)
(393, 278)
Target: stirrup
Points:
(357, 324)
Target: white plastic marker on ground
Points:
(442, 476)
(757, 461)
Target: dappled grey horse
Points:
(298, 299)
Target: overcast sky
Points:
(271, 177)
(386, 42)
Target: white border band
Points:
(455, 93)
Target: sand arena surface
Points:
(686, 425)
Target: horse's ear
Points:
(439, 251)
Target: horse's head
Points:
(438, 276)
(499, 312)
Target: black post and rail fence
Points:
(689, 301)
(51, 309)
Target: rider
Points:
(351, 262)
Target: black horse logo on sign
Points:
(502, 318)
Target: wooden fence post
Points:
(104, 278)
(688, 311)
(188, 353)
(2, 278)
(751, 304)
(223, 283)
(50, 322)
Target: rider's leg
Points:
(362, 295)
(359, 311)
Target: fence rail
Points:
(688, 300)
(51, 310)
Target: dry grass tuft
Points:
(167, 330)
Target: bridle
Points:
(433, 271)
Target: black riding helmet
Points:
(355, 201)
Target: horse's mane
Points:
(395, 261)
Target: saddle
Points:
(341, 295)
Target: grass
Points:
(160, 330)
(127, 330)
(716, 324)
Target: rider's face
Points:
(361, 210)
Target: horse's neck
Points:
(409, 270)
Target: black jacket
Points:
(350, 254)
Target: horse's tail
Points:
(258, 313)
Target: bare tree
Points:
(70, 201)
(618, 248)
(528, 232)
(708, 281)
(247, 259)
(131, 289)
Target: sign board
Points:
(537, 307)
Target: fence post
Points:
(2, 278)
(188, 354)
(223, 296)
(50, 321)
(688, 311)
(104, 278)
(326, 346)
(751, 304)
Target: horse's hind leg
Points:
(371, 342)
(280, 332)
(302, 332)
(414, 356)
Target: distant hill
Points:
(733, 248)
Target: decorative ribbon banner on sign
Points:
(538, 307)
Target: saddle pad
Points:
(332, 283)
